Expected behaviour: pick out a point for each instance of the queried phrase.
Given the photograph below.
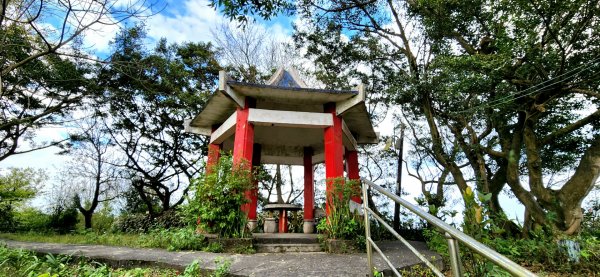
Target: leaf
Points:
(478, 214)
(388, 144)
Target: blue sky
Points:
(177, 21)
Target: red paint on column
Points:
(243, 143)
(309, 189)
(214, 153)
(283, 222)
(334, 153)
(353, 173)
(253, 193)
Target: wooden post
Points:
(334, 153)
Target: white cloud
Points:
(192, 22)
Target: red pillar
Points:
(309, 190)
(352, 164)
(214, 153)
(283, 221)
(253, 194)
(243, 145)
(334, 152)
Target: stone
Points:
(309, 226)
(252, 224)
(270, 225)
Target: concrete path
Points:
(263, 264)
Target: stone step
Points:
(287, 247)
(289, 238)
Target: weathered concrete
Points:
(263, 264)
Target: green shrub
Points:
(31, 220)
(21, 263)
(132, 223)
(169, 219)
(141, 223)
(216, 199)
(540, 251)
(341, 222)
(63, 219)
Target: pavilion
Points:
(285, 122)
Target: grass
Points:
(174, 239)
(128, 240)
(22, 263)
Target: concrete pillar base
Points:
(309, 226)
(270, 225)
(252, 224)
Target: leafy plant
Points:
(341, 223)
(217, 198)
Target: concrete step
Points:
(287, 247)
(285, 238)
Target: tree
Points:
(43, 72)
(505, 91)
(16, 186)
(150, 94)
(92, 171)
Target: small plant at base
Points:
(217, 198)
(214, 247)
(223, 267)
(341, 223)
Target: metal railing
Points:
(452, 234)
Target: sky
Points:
(187, 21)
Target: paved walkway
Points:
(263, 264)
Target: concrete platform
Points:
(286, 242)
(261, 264)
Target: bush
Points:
(540, 252)
(63, 219)
(132, 223)
(173, 239)
(31, 220)
(141, 223)
(217, 197)
(21, 263)
(341, 222)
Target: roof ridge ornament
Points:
(286, 78)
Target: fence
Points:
(452, 234)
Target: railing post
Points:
(367, 228)
(454, 256)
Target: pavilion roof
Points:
(285, 91)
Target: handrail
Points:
(451, 233)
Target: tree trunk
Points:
(578, 187)
(278, 184)
(88, 219)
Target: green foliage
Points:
(540, 251)
(63, 219)
(30, 219)
(217, 197)
(239, 9)
(173, 239)
(342, 223)
(21, 263)
(150, 93)
(141, 223)
(223, 267)
(103, 219)
(16, 186)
